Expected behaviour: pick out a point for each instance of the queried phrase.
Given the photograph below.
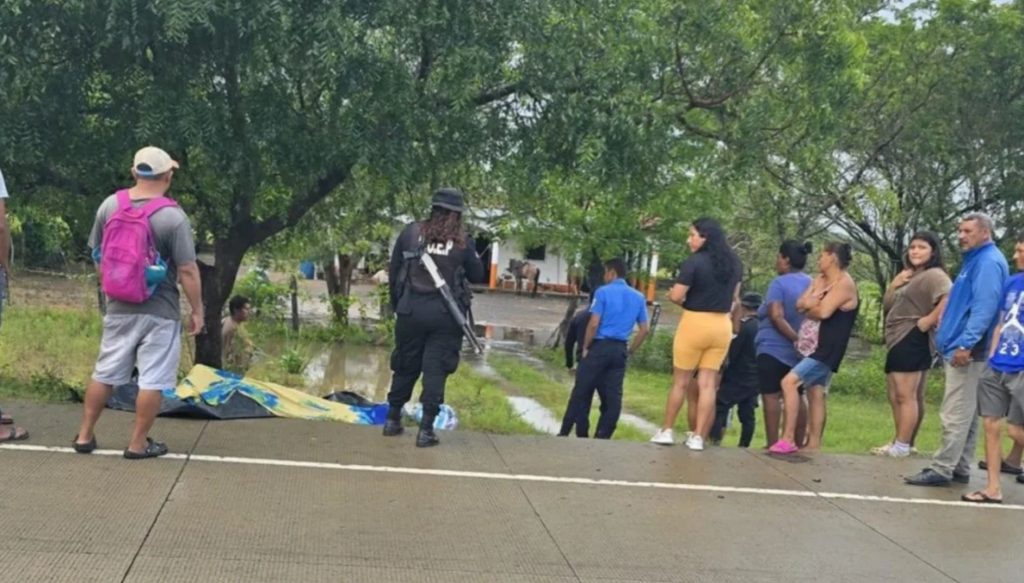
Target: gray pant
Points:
(959, 416)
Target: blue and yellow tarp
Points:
(219, 394)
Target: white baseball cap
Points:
(152, 161)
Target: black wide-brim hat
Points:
(448, 198)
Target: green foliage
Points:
(341, 305)
(292, 361)
(267, 299)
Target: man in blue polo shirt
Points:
(616, 309)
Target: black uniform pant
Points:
(427, 342)
(603, 370)
(746, 408)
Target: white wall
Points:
(554, 269)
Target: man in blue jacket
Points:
(963, 338)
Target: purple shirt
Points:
(786, 289)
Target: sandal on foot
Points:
(1004, 468)
(783, 447)
(13, 434)
(153, 449)
(84, 447)
(980, 497)
(6, 419)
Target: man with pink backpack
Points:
(143, 247)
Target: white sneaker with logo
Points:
(695, 442)
(663, 437)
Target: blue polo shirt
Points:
(621, 308)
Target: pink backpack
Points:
(128, 249)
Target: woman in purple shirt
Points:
(778, 322)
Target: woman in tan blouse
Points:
(913, 304)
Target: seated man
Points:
(236, 347)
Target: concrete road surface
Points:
(281, 500)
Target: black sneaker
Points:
(1020, 479)
(927, 477)
(961, 478)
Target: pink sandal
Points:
(783, 447)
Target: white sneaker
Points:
(663, 437)
(695, 442)
(897, 452)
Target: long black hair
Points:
(725, 262)
(444, 225)
(933, 241)
(796, 252)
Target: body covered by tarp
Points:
(217, 394)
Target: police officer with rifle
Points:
(431, 308)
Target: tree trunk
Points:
(217, 280)
(339, 284)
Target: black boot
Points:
(426, 437)
(393, 424)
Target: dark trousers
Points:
(746, 408)
(603, 370)
(427, 342)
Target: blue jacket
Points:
(974, 301)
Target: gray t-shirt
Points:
(172, 234)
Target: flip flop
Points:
(153, 449)
(1004, 468)
(13, 434)
(980, 497)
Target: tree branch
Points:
(300, 205)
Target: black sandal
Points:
(84, 447)
(980, 497)
(153, 449)
(13, 435)
(6, 419)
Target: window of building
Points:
(537, 253)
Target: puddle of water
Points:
(638, 422)
(538, 416)
(344, 367)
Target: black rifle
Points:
(449, 301)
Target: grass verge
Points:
(550, 393)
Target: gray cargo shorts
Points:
(1002, 395)
(149, 342)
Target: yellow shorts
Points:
(702, 340)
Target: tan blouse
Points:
(915, 300)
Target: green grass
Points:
(481, 406)
(859, 416)
(46, 352)
(553, 395)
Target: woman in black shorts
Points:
(913, 303)
(778, 323)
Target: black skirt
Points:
(912, 354)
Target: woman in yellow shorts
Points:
(707, 287)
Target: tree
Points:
(269, 106)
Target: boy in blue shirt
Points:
(1001, 390)
(617, 308)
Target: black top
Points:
(834, 337)
(575, 336)
(447, 257)
(706, 293)
(741, 363)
